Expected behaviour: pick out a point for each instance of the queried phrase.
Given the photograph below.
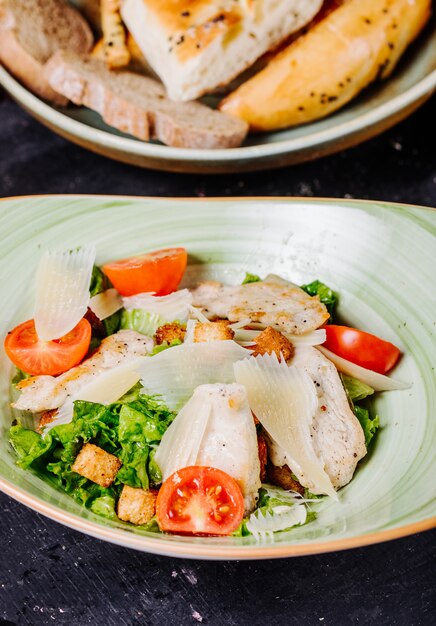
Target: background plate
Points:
(380, 258)
(378, 108)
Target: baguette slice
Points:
(31, 31)
(356, 44)
(138, 105)
(196, 46)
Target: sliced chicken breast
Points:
(43, 393)
(337, 434)
(284, 307)
(223, 436)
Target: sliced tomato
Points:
(34, 356)
(200, 501)
(159, 272)
(361, 348)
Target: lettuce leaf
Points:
(271, 498)
(141, 321)
(369, 424)
(99, 283)
(355, 389)
(250, 278)
(130, 428)
(326, 295)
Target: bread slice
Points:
(31, 31)
(197, 46)
(138, 105)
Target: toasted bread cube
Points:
(270, 340)
(137, 506)
(46, 417)
(97, 465)
(169, 333)
(283, 477)
(213, 331)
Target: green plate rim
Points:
(214, 552)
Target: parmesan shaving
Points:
(284, 400)
(62, 291)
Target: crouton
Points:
(213, 331)
(45, 418)
(136, 506)
(270, 340)
(263, 456)
(169, 333)
(283, 477)
(97, 465)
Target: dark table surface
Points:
(50, 574)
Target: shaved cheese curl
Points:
(106, 303)
(284, 400)
(176, 372)
(175, 306)
(62, 291)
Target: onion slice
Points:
(106, 303)
(284, 400)
(104, 388)
(377, 381)
(62, 291)
(175, 373)
(175, 306)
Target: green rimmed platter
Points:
(378, 256)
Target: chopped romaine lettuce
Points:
(99, 281)
(141, 321)
(130, 428)
(165, 345)
(369, 425)
(326, 295)
(355, 389)
(250, 278)
(277, 511)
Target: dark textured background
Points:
(50, 574)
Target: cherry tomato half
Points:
(35, 356)
(159, 272)
(361, 348)
(201, 501)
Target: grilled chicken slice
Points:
(285, 307)
(337, 434)
(226, 440)
(43, 393)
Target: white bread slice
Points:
(138, 105)
(198, 45)
(31, 31)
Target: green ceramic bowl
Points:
(380, 257)
(376, 109)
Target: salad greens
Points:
(356, 392)
(326, 295)
(273, 504)
(251, 278)
(99, 283)
(141, 321)
(369, 424)
(130, 428)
